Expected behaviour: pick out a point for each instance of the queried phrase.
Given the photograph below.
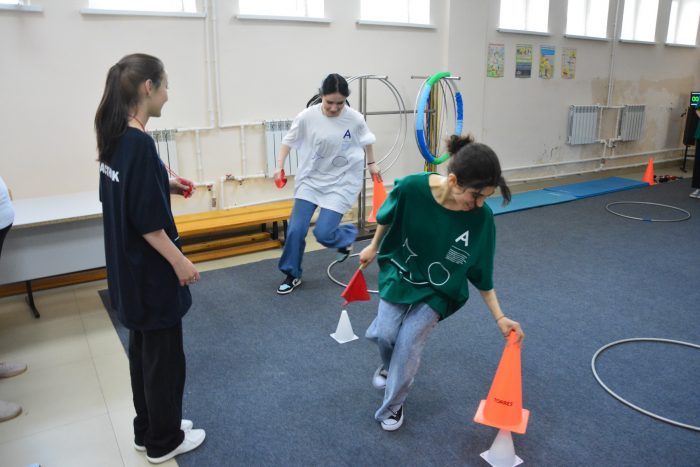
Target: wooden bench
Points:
(219, 234)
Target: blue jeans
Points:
(327, 231)
(400, 332)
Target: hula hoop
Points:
(420, 116)
(646, 219)
(628, 403)
(330, 276)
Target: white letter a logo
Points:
(464, 238)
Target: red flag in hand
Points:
(356, 289)
(378, 197)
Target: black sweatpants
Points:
(157, 366)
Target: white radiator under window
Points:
(274, 132)
(583, 124)
(631, 123)
(166, 147)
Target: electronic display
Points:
(695, 99)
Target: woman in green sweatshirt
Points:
(434, 235)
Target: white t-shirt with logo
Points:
(7, 212)
(331, 156)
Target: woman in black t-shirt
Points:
(147, 273)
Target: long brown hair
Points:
(120, 95)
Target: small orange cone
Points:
(649, 173)
(378, 197)
(504, 406)
(356, 289)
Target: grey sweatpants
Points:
(400, 332)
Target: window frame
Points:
(593, 38)
(21, 6)
(546, 33)
(680, 44)
(635, 40)
(399, 24)
(290, 18)
(200, 13)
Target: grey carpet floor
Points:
(272, 388)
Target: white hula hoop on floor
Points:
(687, 214)
(330, 276)
(628, 403)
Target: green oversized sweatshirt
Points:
(429, 252)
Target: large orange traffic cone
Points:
(504, 406)
(378, 197)
(649, 173)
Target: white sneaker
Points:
(394, 422)
(193, 439)
(379, 378)
(185, 425)
(695, 194)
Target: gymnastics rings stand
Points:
(421, 123)
(626, 402)
(343, 285)
(687, 214)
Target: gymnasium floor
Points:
(75, 395)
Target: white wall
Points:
(53, 65)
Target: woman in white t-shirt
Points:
(331, 140)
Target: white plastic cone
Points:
(343, 333)
(502, 452)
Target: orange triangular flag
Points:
(649, 173)
(504, 406)
(378, 197)
(356, 289)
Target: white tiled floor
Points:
(76, 394)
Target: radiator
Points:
(631, 123)
(166, 147)
(274, 132)
(583, 124)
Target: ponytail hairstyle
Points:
(475, 165)
(121, 94)
(331, 84)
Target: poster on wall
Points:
(568, 63)
(523, 60)
(547, 61)
(494, 61)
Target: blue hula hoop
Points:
(420, 117)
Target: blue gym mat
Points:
(527, 200)
(597, 187)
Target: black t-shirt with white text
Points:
(135, 195)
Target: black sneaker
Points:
(394, 422)
(343, 253)
(289, 284)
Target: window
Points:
(683, 23)
(639, 20)
(587, 18)
(19, 5)
(524, 15)
(299, 8)
(396, 11)
(166, 6)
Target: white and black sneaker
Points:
(394, 422)
(695, 194)
(289, 284)
(379, 377)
